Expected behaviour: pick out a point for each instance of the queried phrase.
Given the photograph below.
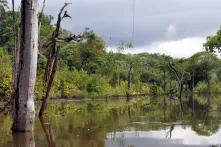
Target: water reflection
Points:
(117, 124)
(181, 136)
(48, 132)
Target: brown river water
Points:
(115, 124)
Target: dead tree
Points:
(23, 139)
(180, 79)
(25, 68)
(53, 55)
(164, 88)
(129, 76)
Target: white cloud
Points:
(182, 48)
(171, 31)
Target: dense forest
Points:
(87, 69)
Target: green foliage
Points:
(3, 6)
(46, 28)
(204, 60)
(149, 77)
(39, 85)
(201, 87)
(5, 74)
(203, 65)
(6, 30)
(155, 90)
(86, 69)
(91, 53)
(69, 56)
(97, 86)
(213, 43)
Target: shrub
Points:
(97, 86)
(201, 87)
(5, 74)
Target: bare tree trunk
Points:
(180, 96)
(164, 88)
(192, 92)
(129, 78)
(26, 67)
(129, 82)
(25, 139)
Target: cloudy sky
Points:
(172, 27)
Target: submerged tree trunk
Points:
(26, 67)
(179, 78)
(24, 139)
(48, 132)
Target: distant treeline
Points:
(87, 69)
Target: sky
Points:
(172, 27)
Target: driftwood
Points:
(53, 54)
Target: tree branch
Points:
(52, 60)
